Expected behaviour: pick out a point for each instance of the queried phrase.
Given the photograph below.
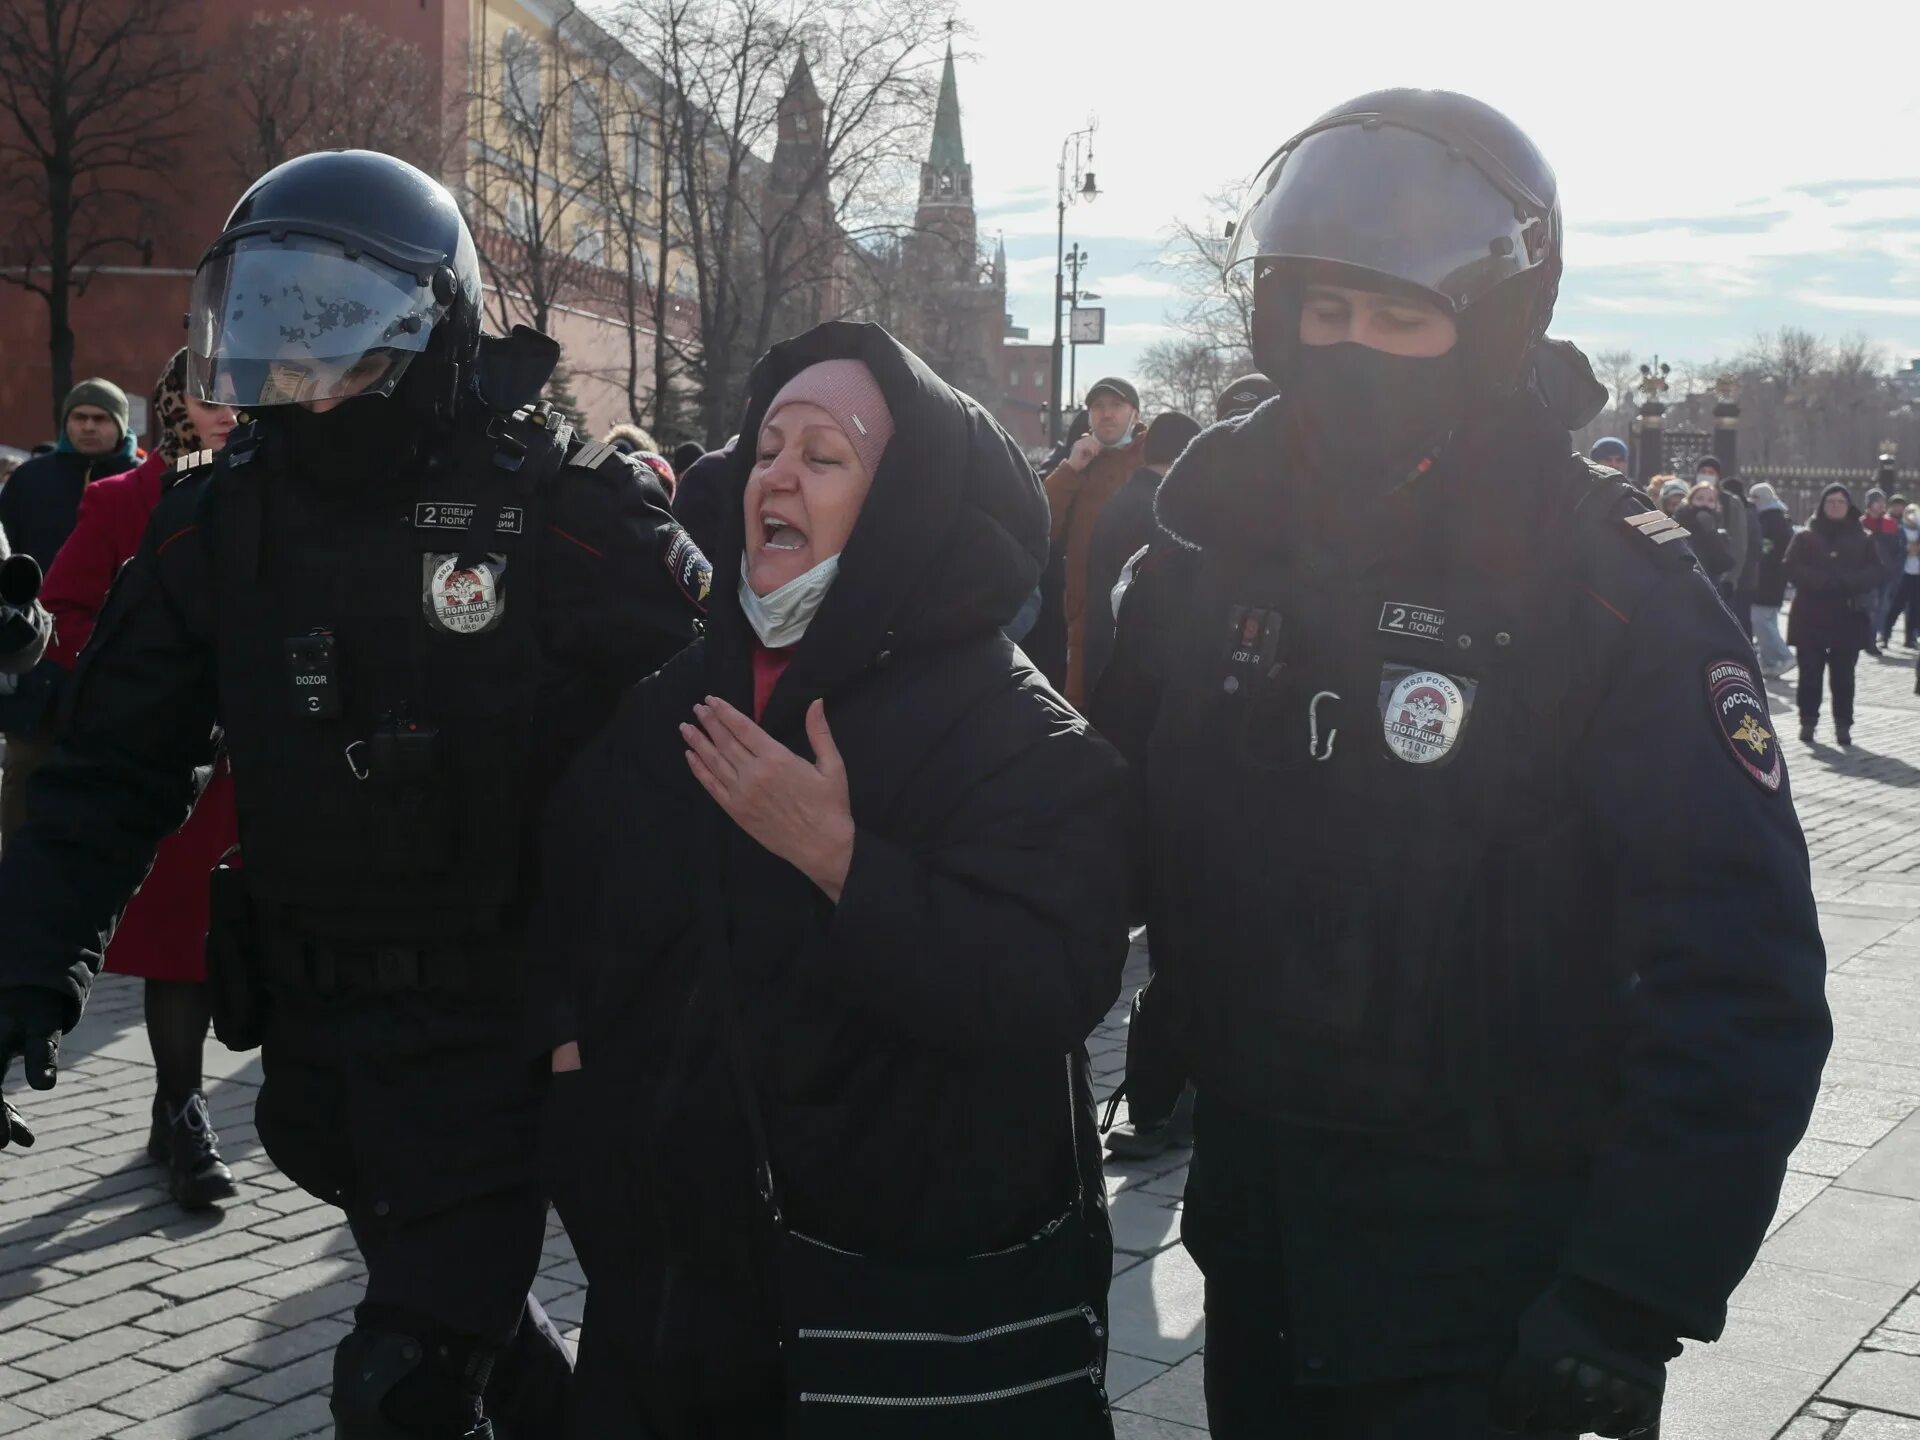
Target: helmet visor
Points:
(1377, 196)
(277, 322)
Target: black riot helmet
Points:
(1421, 192)
(341, 273)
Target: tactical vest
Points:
(1366, 860)
(378, 659)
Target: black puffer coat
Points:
(1834, 570)
(913, 1044)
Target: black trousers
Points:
(1816, 663)
(418, 1114)
(1250, 1397)
(1156, 1067)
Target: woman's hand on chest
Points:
(797, 809)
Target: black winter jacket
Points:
(1776, 534)
(1708, 537)
(1834, 569)
(1345, 879)
(1125, 524)
(40, 500)
(912, 1046)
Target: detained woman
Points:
(833, 903)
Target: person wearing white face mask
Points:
(879, 896)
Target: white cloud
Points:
(1862, 304)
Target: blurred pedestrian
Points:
(1243, 396)
(1770, 587)
(1610, 451)
(162, 934)
(1668, 493)
(1835, 575)
(41, 498)
(685, 455)
(1077, 490)
(1904, 599)
(1745, 544)
(1888, 547)
(1123, 530)
(631, 439)
(1701, 516)
(852, 954)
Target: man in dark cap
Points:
(1100, 462)
(1244, 396)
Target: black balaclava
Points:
(1361, 420)
(357, 443)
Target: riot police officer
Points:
(401, 596)
(1491, 1112)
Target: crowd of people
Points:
(738, 852)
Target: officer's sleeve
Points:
(135, 721)
(624, 584)
(1126, 701)
(1685, 779)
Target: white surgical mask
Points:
(781, 618)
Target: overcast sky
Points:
(1721, 173)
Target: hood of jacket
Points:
(1822, 524)
(949, 544)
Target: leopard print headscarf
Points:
(174, 434)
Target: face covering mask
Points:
(780, 619)
(1361, 419)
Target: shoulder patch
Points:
(690, 569)
(1739, 710)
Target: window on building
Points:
(946, 183)
(1039, 379)
(589, 243)
(584, 136)
(683, 285)
(518, 225)
(519, 77)
(641, 159)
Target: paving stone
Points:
(289, 1382)
(89, 1387)
(1880, 1380)
(1127, 1373)
(288, 1347)
(1156, 1308)
(80, 1425)
(1143, 1223)
(103, 1347)
(1801, 1319)
(1714, 1397)
(208, 1417)
(205, 1279)
(306, 1416)
(172, 1391)
(1850, 1232)
(1179, 1395)
(114, 1310)
(224, 1339)
(1128, 1425)
(1871, 1425)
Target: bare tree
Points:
(1188, 375)
(1215, 304)
(532, 183)
(305, 84)
(94, 93)
(771, 233)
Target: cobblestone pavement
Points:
(121, 1317)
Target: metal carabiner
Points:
(1313, 728)
(360, 772)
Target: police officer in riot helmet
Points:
(1491, 1114)
(398, 597)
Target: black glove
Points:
(31, 1022)
(15, 1129)
(1586, 1361)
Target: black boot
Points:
(197, 1173)
(1806, 731)
(1843, 735)
(159, 1143)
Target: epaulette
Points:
(192, 461)
(594, 454)
(1610, 504)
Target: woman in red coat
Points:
(162, 936)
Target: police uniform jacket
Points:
(912, 1045)
(1454, 1030)
(493, 591)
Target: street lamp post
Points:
(1081, 187)
(1076, 262)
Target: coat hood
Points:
(1819, 521)
(951, 540)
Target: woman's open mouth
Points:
(778, 534)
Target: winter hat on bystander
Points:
(846, 390)
(173, 431)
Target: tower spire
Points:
(948, 151)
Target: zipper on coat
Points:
(936, 1402)
(937, 1337)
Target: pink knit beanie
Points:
(846, 390)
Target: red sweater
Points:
(163, 934)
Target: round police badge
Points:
(1741, 714)
(464, 599)
(1422, 714)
